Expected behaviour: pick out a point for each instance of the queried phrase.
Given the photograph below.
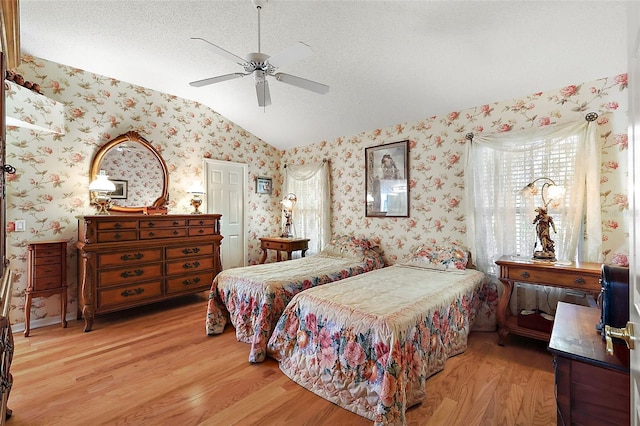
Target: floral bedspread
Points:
(253, 297)
(368, 343)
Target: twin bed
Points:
(253, 297)
(369, 342)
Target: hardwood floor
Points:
(156, 366)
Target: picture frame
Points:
(387, 180)
(263, 185)
(120, 193)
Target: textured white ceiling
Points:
(387, 62)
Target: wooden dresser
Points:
(131, 259)
(592, 387)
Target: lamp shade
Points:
(102, 183)
(196, 188)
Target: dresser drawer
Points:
(198, 230)
(45, 250)
(118, 296)
(569, 279)
(190, 265)
(162, 233)
(202, 222)
(161, 223)
(190, 282)
(46, 270)
(116, 225)
(114, 236)
(48, 260)
(131, 256)
(192, 250)
(47, 282)
(134, 273)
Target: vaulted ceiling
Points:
(386, 62)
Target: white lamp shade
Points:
(102, 183)
(196, 188)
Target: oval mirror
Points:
(138, 171)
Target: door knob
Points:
(625, 334)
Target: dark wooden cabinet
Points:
(46, 275)
(592, 387)
(132, 260)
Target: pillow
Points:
(450, 258)
(346, 246)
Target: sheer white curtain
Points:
(312, 212)
(500, 218)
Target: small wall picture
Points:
(121, 190)
(263, 185)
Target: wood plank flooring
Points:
(156, 366)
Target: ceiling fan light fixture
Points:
(262, 65)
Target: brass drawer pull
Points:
(117, 236)
(151, 224)
(525, 274)
(151, 234)
(202, 222)
(129, 274)
(118, 225)
(176, 223)
(176, 232)
(579, 280)
(136, 256)
(193, 281)
(190, 265)
(135, 292)
(190, 251)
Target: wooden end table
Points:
(584, 276)
(280, 244)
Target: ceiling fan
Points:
(262, 66)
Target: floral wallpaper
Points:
(436, 166)
(49, 189)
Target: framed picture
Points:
(263, 185)
(121, 190)
(387, 180)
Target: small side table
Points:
(280, 244)
(583, 276)
(46, 275)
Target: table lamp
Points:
(100, 189)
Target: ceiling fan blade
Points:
(218, 79)
(262, 90)
(291, 54)
(303, 83)
(224, 53)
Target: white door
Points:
(634, 202)
(226, 186)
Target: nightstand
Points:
(280, 244)
(46, 275)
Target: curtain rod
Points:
(324, 160)
(591, 116)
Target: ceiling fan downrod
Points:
(258, 5)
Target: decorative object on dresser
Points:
(100, 188)
(132, 260)
(280, 244)
(122, 158)
(584, 276)
(543, 219)
(592, 387)
(196, 190)
(46, 275)
(288, 203)
(387, 180)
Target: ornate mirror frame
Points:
(136, 138)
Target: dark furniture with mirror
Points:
(131, 160)
(131, 260)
